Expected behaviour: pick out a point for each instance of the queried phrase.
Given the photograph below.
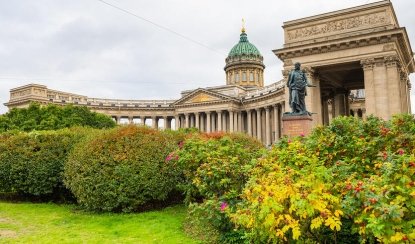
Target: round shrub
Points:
(32, 163)
(123, 169)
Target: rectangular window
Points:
(243, 76)
(237, 77)
(251, 76)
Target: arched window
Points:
(251, 76)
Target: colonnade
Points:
(263, 123)
(167, 120)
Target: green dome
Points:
(244, 47)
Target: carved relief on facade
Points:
(38, 91)
(20, 93)
(380, 18)
(202, 98)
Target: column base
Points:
(296, 125)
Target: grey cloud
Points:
(89, 48)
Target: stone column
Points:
(208, 122)
(166, 122)
(187, 120)
(130, 120)
(313, 98)
(213, 124)
(258, 124)
(240, 120)
(370, 98)
(282, 113)
(364, 114)
(117, 120)
(191, 121)
(225, 122)
(235, 121)
(231, 123)
(347, 103)
(219, 120)
(249, 122)
(267, 127)
(154, 122)
(394, 93)
(325, 111)
(276, 124)
(405, 91)
(197, 124)
(202, 123)
(176, 122)
(381, 89)
(340, 104)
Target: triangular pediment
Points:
(202, 96)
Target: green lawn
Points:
(51, 223)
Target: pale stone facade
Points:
(358, 58)
(357, 48)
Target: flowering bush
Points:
(215, 167)
(288, 195)
(352, 176)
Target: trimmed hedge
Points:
(31, 164)
(124, 169)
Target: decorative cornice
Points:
(387, 37)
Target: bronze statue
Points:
(297, 83)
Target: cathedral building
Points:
(358, 59)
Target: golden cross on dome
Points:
(243, 25)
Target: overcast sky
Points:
(89, 48)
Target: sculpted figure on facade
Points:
(297, 84)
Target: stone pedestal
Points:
(296, 125)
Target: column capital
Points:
(311, 72)
(257, 109)
(367, 63)
(266, 108)
(208, 112)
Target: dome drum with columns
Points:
(244, 64)
(245, 105)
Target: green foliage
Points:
(123, 169)
(352, 180)
(52, 117)
(216, 169)
(32, 163)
